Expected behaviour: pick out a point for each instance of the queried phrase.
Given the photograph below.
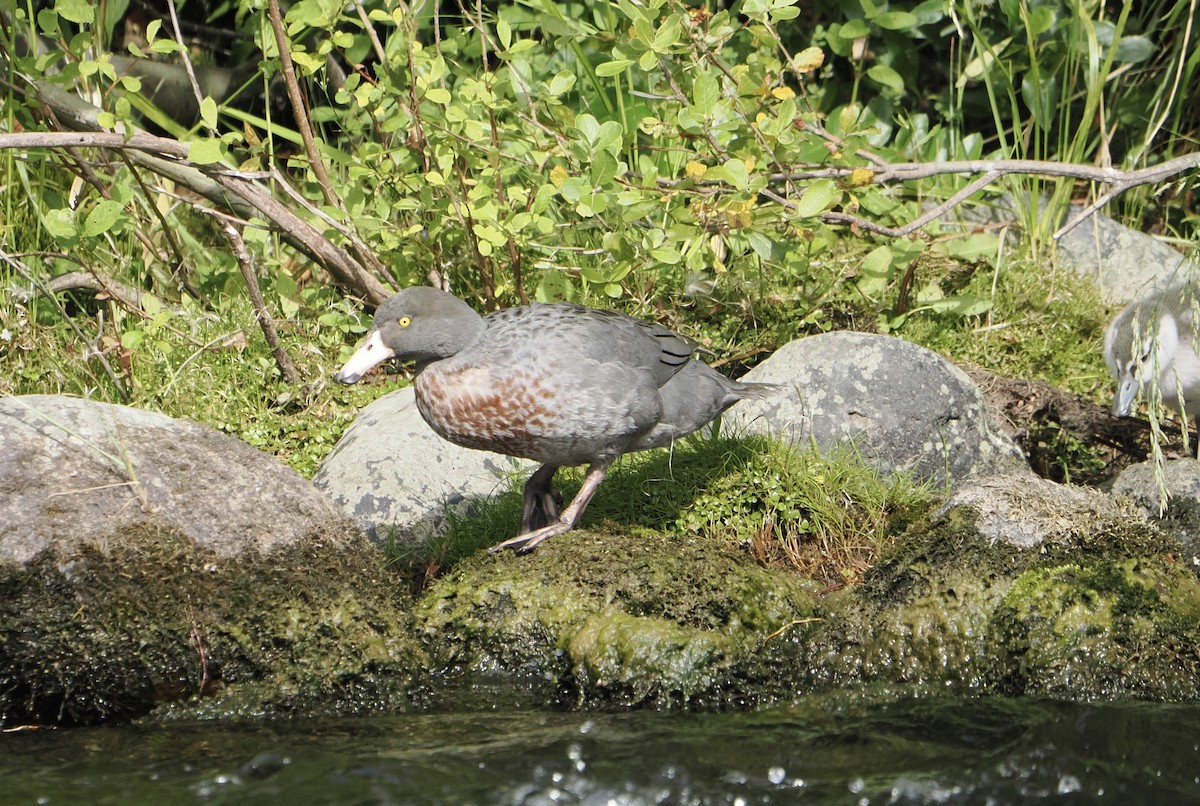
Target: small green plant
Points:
(827, 517)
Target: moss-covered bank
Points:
(151, 620)
(1103, 611)
(150, 624)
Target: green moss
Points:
(1108, 628)
(1042, 324)
(609, 618)
(646, 658)
(313, 628)
(827, 517)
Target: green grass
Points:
(1044, 324)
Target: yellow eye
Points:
(404, 321)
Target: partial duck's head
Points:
(419, 324)
(1139, 348)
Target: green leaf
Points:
(205, 152)
(588, 127)
(886, 76)
(208, 112)
(103, 216)
(60, 223)
(75, 10)
(854, 29)
(604, 168)
(609, 137)
(555, 286)
(895, 20)
(817, 198)
(1133, 49)
(962, 305)
(875, 272)
(705, 91)
(732, 171)
(1041, 19)
(878, 261)
(979, 246)
(1041, 97)
(982, 63)
(613, 67)
(504, 33)
(438, 95)
(666, 254)
(564, 81)
(666, 36)
(763, 246)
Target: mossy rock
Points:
(108, 633)
(1105, 610)
(1103, 629)
(592, 619)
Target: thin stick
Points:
(286, 368)
(187, 61)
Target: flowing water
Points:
(924, 750)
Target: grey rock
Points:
(903, 407)
(399, 479)
(1125, 264)
(1026, 512)
(1178, 514)
(75, 471)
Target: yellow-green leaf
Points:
(613, 67)
(208, 112)
(816, 198)
(205, 152)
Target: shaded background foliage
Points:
(640, 154)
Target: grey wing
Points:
(572, 334)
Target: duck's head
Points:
(419, 324)
(1139, 348)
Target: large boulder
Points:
(76, 471)
(400, 480)
(901, 406)
(147, 561)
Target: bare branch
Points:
(167, 157)
(240, 253)
(127, 295)
(299, 111)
